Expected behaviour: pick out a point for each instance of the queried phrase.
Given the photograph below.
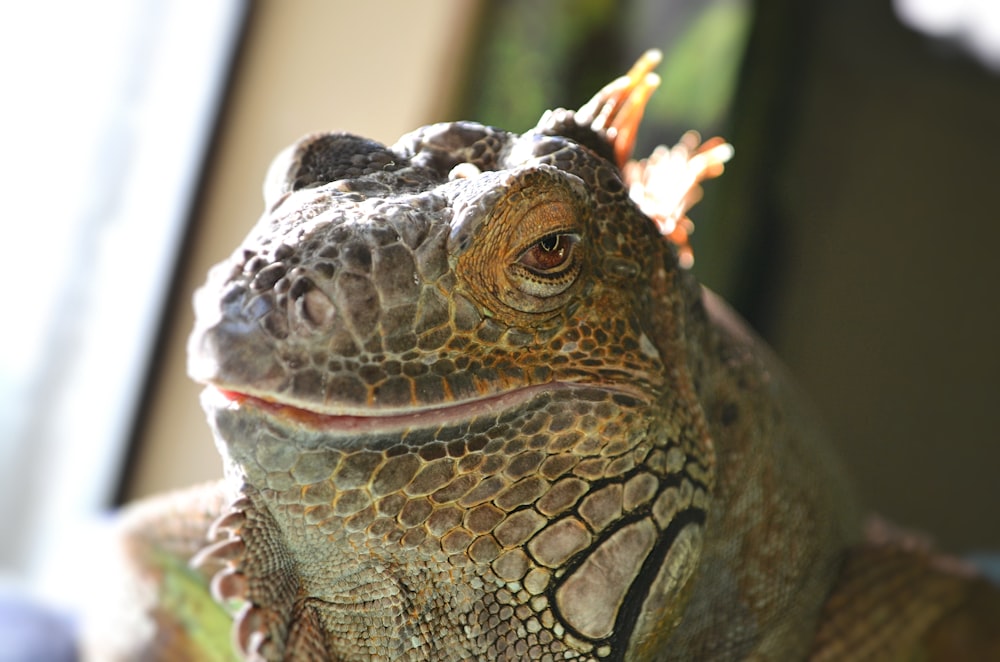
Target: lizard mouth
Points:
(418, 417)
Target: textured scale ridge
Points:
(472, 405)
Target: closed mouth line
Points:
(425, 417)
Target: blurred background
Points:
(857, 228)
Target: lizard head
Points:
(458, 356)
(461, 263)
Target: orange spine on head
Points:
(668, 183)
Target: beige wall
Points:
(376, 69)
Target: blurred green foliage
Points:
(534, 56)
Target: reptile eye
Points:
(549, 266)
(548, 254)
(530, 253)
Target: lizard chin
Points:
(374, 420)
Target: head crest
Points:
(668, 183)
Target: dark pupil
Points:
(550, 243)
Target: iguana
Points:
(472, 405)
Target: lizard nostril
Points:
(316, 308)
(311, 304)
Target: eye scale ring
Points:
(529, 246)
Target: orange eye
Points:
(548, 254)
